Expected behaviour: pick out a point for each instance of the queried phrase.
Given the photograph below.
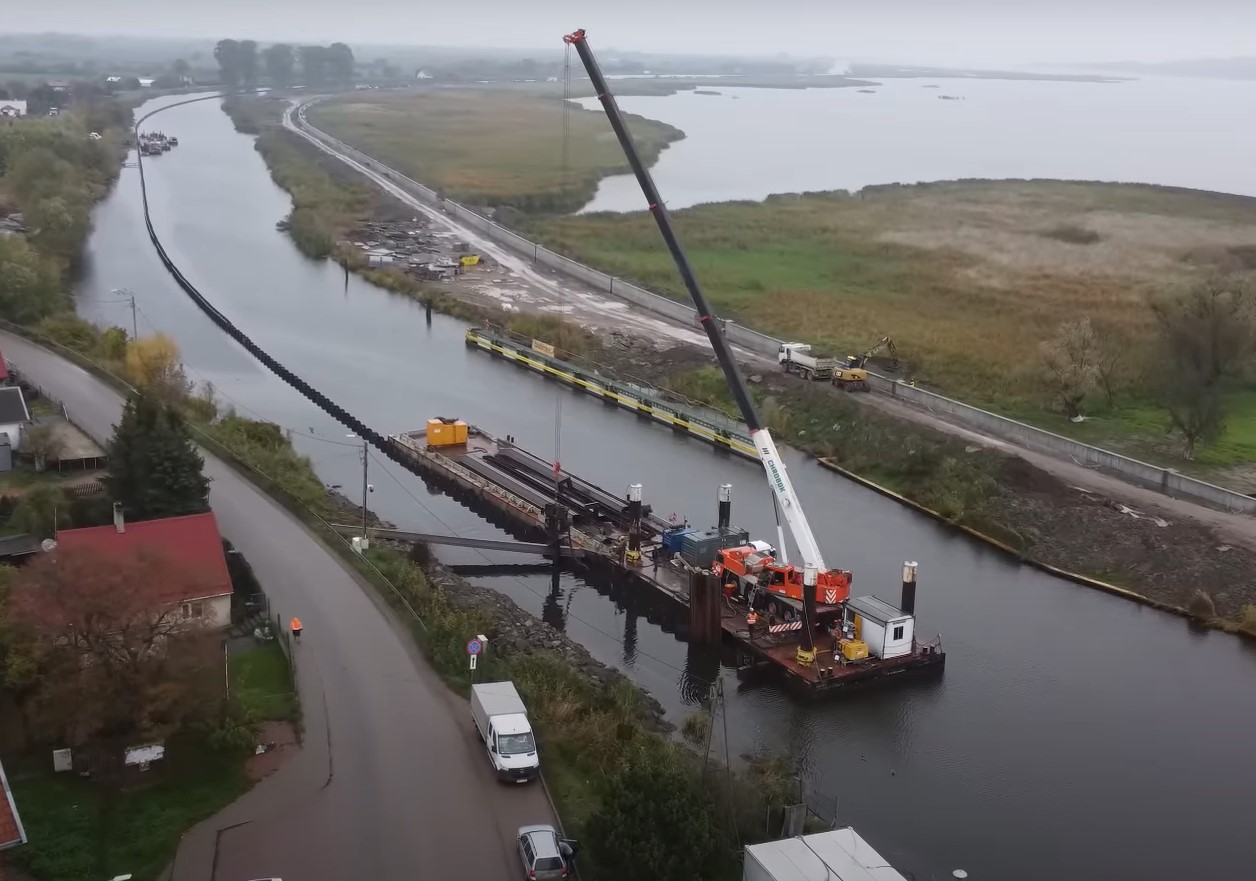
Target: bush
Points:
(310, 233)
(656, 825)
(1247, 620)
(1201, 606)
(1072, 234)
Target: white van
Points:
(502, 722)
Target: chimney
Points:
(119, 522)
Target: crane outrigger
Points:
(786, 500)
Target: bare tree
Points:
(43, 445)
(1071, 364)
(1207, 336)
(1114, 364)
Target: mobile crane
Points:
(782, 489)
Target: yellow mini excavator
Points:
(852, 374)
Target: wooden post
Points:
(704, 609)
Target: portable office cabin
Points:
(887, 631)
(837, 855)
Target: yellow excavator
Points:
(852, 374)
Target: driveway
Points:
(392, 782)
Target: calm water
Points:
(1071, 728)
(750, 143)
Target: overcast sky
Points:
(963, 32)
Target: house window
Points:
(898, 632)
(193, 610)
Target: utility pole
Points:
(366, 487)
(127, 295)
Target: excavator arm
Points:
(782, 489)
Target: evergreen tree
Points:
(154, 468)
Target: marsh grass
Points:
(961, 275)
(490, 146)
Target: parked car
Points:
(546, 856)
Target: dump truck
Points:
(797, 358)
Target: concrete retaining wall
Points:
(1131, 470)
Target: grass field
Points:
(262, 683)
(490, 146)
(967, 277)
(80, 832)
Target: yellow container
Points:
(854, 649)
(470, 260)
(441, 433)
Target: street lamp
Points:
(366, 487)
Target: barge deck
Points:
(525, 488)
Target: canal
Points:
(1072, 730)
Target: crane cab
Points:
(746, 568)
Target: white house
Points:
(11, 108)
(14, 415)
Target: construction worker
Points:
(295, 624)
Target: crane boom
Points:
(782, 489)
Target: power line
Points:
(618, 641)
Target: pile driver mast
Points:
(782, 489)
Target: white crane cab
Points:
(888, 631)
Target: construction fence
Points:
(1165, 480)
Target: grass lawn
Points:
(260, 680)
(78, 834)
(490, 146)
(966, 277)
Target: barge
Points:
(684, 417)
(858, 640)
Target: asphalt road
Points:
(392, 782)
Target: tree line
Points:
(1205, 347)
(52, 171)
(242, 65)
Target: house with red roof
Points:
(191, 541)
(11, 832)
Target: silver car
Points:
(544, 855)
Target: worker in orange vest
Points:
(295, 624)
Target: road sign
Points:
(474, 647)
(473, 658)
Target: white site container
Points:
(887, 631)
